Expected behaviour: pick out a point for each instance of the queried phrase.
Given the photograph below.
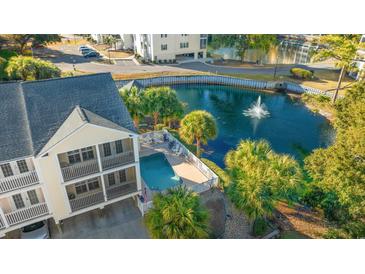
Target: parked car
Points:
(92, 54)
(83, 48)
(37, 230)
(87, 50)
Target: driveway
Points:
(121, 220)
(66, 55)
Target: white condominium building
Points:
(67, 146)
(168, 48)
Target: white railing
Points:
(80, 169)
(2, 223)
(121, 190)
(116, 160)
(212, 177)
(18, 181)
(26, 214)
(86, 201)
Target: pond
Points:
(290, 127)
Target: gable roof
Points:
(33, 111)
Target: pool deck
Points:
(191, 176)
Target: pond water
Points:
(290, 127)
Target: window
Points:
(107, 150)
(122, 176)
(7, 171)
(163, 35)
(119, 146)
(87, 153)
(203, 43)
(184, 34)
(164, 47)
(184, 45)
(18, 201)
(33, 198)
(80, 188)
(74, 156)
(22, 165)
(111, 179)
(93, 184)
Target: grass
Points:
(324, 79)
(143, 75)
(292, 234)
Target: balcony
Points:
(80, 169)
(116, 160)
(121, 190)
(2, 223)
(18, 181)
(85, 201)
(25, 214)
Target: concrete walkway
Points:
(121, 220)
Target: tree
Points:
(243, 42)
(340, 168)
(177, 214)
(28, 68)
(173, 108)
(198, 126)
(135, 103)
(259, 178)
(343, 49)
(21, 40)
(3, 63)
(162, 102)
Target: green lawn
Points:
(292, 235)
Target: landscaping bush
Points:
(7, 54)
(301, 73)
(161, 127)
(2, 68)
(223, 176)
(259, 227)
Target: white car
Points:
(35, 231)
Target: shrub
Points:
(301, 73)
(161, 126)
(7, 54)
(3, 63)
(259, 227)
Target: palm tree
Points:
(135, 103)
(162, 102)
(343, 49)
(177, 214)
(259, 177)
(198, 126)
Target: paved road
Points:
(66, 56)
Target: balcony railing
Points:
(2, 224)
(18, 181)
(26, 214)
(80, 170)
(121, 190)
(86, 201)
(116, 160)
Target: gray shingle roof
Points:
(34, 110)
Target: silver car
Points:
(35, 231)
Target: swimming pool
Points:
(157, 172)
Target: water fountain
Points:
(257, 110)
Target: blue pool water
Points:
(157, 172)
(291, 128)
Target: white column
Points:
(100, 170)
(136, 157)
